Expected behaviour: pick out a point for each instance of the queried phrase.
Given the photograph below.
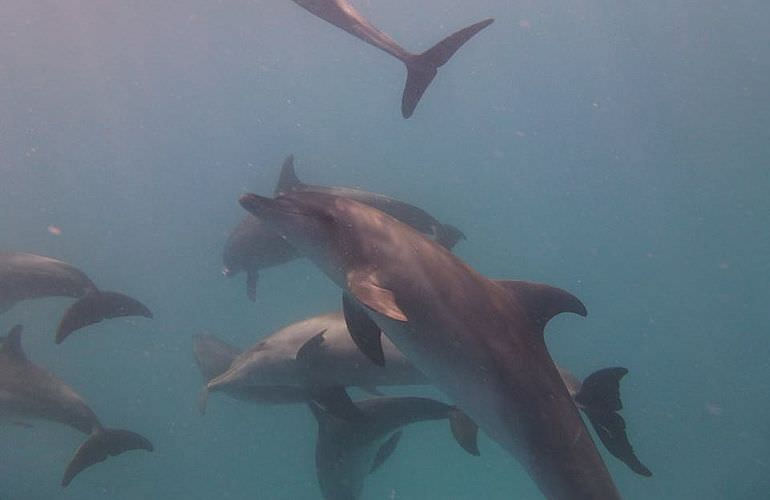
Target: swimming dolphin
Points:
(421, 68)
(25, 276)
(286, 365)
(252, 245)
(28, 391)
(479, 341)
(346, 452)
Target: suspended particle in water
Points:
(54, 230)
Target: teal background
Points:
(619, 151)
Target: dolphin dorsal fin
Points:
(11, 344)
(287, 180)
(543, 302)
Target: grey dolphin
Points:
(298, 354)
(25, 276)
(480, 341)
(252, 245)
(346, 452)
(29, 391)
(421, 68)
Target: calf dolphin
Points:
(252, 245)
(25, 276)
(29, 391)
(421, 68)
(298, 354)
(480, 341)
(346, 452)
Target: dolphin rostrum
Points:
(25, 276)
(346, 452)
(252, 245)
(421, 68)
(287, 365)
(29, 391)
(478, 340)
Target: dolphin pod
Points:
(478, 340)
(252, 246)
(25, 276)
(287, 365)
(421, 68)
(29, 391)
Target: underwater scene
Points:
(397, 250)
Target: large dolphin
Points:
(421, 68)
(287, 365)
(253, 246)
(346, 452)
(478, 340)
(25, 276)
(29, 391)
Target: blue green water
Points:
(621, 152)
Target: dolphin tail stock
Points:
(448, 236)
(95, 307)
(599, 398)
(103, 443)
(422, 68)
(287, 180)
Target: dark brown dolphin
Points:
(478, 340)
(421, 68)
(29, 391)
(346, 452)
(253, 246)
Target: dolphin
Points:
(421, 68)
(298, 354)
(478, 340)
(25, 276)
(346, 452)
(252, 245)
(29, 391)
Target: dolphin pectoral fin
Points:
(100, 445)
(365, 332)
(543, 302)
(611, 429)
(372, 390)
(11, 344)
(465, 431)
(599, 398)
(385, 451)
(422, 68)
(95, 307)
(203, 399)
(252, 275)
(365, 288)
(287, 180)
(336, 401)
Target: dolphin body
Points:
(480, 341)
(29, 391)
(286, 366)
(252, 245)
(25, 276)
(421, 68)
(346, 452)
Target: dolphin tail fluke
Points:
(449, 236)
(101, 444)
(422, 68)
(465, 431)
(599, 398)
(95, 307)
(287, 180)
